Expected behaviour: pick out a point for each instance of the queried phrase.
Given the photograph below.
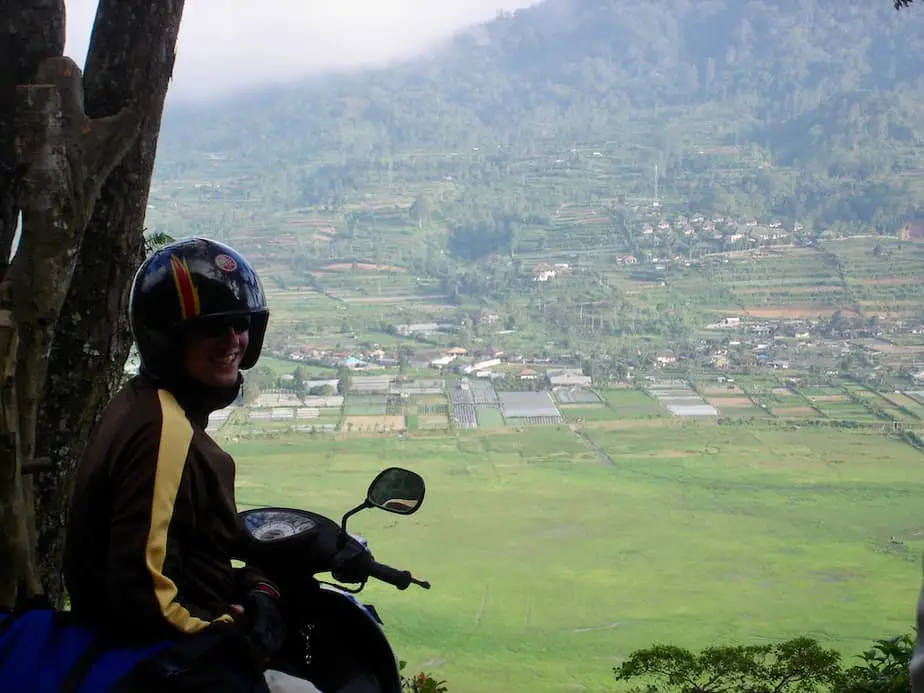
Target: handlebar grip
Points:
(399, 578)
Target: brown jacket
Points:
(152, 522)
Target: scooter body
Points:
(334, 640)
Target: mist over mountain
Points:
(831, 89)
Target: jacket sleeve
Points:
(248, 578)
(152, 512)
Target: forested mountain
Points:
(812, 104)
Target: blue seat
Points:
(43, 651)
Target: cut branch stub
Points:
(39, 464)
(94, 147)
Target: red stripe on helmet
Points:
(186, 291)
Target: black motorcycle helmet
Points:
(187, 282)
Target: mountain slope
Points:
(829, 89)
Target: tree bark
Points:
(14, 546)
(61, 159)
(28, 35)
(29, 32)
(130, 62)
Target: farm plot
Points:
(736, 406)
(394, 405)
(822, 394)
(483, 393)
(529, 405)
(846, 410)
(463, 408)
(880, 278)
(534, 421)
(488, 417)
(792, 282)
(315, 428)
(779, 398)
(434, 409)
(365, 405)
(464, 415)
(911, 401)
(796, 412)
(274, 414)
(416, 388)
(217, 419)
(277, 399)
(680, 399)
(579, 413)
(332, 402)
(372, 383)
(784, 400)
(575, 395)
(877, 402)
(373, 423)
(432, 422)
(632, 404)
(460, 395)
(722, 389)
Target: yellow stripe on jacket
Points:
(175, 438)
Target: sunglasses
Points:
(219, 326)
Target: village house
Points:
(488, 353)
(568, 377)
(481, 366)
(542, 272)
(488, 317)
(665, 357)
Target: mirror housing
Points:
(397, 490)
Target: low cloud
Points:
(226, 45)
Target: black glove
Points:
(263, 624)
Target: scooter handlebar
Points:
(402, 579)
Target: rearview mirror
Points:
(397, 490)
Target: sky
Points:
(226, 45)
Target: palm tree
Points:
(155, 241)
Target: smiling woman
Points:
(208, 297)
(215, 348)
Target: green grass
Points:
(632, 404)
(364, 409)
(489, 418)
(549, 565)
(587, 412)
(284, 367)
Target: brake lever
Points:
(421, 583)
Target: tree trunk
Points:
(130, 63)
(61, 159)
(28, 35)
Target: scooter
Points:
(334, 640)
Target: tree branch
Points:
(40, 464)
